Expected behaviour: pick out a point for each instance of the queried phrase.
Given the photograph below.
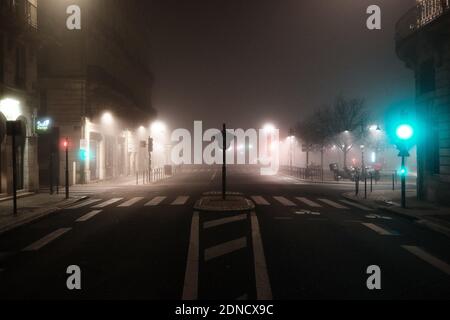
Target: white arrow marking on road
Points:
(106, 203)
(435, 262)
(333, 204)
(309, 202)
(376, 216)
(356, 205)
(285, 202)
(260, 201)
(155, 201)
(88, 216)
(379, 230)
(47, 239)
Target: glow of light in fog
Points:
(10, 108)
(158, 127)
(374, 157)
(269, 128)
(107, 118)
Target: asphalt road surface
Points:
(303, 241)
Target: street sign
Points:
(43, 125)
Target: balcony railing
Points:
(421, 15)
(19, 13)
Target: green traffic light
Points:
(403, 171)
(404, 132)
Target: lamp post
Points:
(404, 133)
(66, 147)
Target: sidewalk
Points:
(31, 208)
(427, 214)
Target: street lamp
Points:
(107, 118)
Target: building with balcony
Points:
(18, 92)
(95, 88)
(423, 43)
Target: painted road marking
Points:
(179, 201)
(263, 289)
(380, 230)
(309, 202)
(376, 216)
(356, 205)
(333, 204)
(214, 175)
(89, 215)
(155, 201)
(106, 203)
(435, 262)
(225, 248)
(302, 212)
(190, 288)
(47, 239)
(85, 203)
(219, 222)
(260, 201)
(285, 202)
(130, 202)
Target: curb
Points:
(37, 215)
(19, 196)
(427, 223)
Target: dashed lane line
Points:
(427, 257)
(89, 216)
(220, 222)
(190, 288)
(47, 239)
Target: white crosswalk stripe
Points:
(309, 202)
(84, 203)
(285, 202)
(131, 202)
(155, 201)
(106, 203)
(356, 205)
(333, 204)
(260, 201)
(181, 200)
(89, 215)
(379, 230)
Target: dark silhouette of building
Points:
(95, 85)
(423, 43)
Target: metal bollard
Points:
(371, 182)
(393, 181)
(365, 186)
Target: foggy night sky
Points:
(247, 62)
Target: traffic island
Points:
(214, 202)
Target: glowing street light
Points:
(107, 118)
(10, 108)
(269, 128)
(158, 127)
(404, 132)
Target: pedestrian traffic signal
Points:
(403, 171)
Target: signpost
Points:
(224, 141)
(404, 133)
(13, 129)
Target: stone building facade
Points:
(423, 43)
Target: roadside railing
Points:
(156, 174)
(420, 15)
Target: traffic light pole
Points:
(224, 165)
(403, 183)
(14, 163)
(67, 167)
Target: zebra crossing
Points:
(312, 203)
(182, 200)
